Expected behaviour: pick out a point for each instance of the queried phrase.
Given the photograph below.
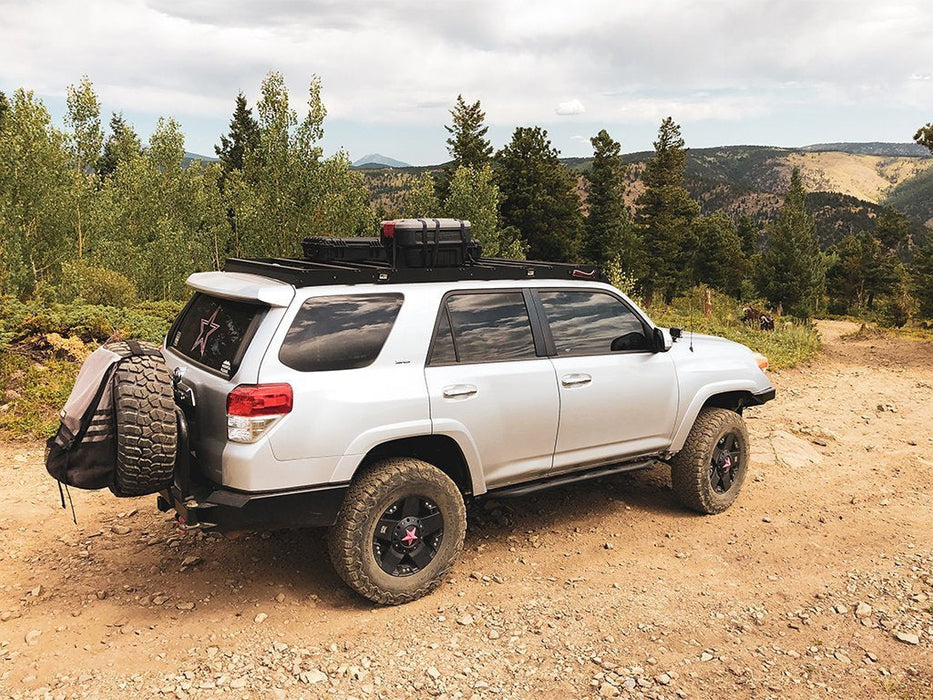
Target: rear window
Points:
(215, 332)
(339, 332)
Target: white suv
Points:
(375, 400)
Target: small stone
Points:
(188, 562)
(494, 634)
(119, 529)
(315, 676)
(465, 620)
(607, 545)
(863, 610)
(607, 690)
(32, 637)
(706, 656)
(260, 618)
(841, 609)
(663, 679)
(280, 598)
(433, 673)
(238, 683)
(37, 591)
(185, 606)
(907, 638)
(766, 519)
(159, 599)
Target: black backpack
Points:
(83, 453)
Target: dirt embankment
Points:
(817, 583)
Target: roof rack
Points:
(308, 273)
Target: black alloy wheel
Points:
(725, 463)
(408, 535)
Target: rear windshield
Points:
(215, 332)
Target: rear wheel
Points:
(399, 531)
(708, 473)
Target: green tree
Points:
(749, 234)
(242, 140)
(922, 279)
(924, 136)
(467, 144)
(609, 239)
(473, 195)
(539, 196)
(122, 144)
(85, 141)
(4, 106)
(287, 190)
(421, 199)
(791, 271)
(861, 269)
(892, 228)
(34, 194)
(664, 216)
(718, 260)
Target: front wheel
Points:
(399, 531)
(708, 473)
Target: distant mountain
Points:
(376, 160)
(874, 148)
(191, 157)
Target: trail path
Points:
(817, 583)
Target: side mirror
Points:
(664, 339)
(635, 340)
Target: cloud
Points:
(570, 108)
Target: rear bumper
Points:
(211, 506)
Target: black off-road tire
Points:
(353, 541)
(698, 476)
(146, 431)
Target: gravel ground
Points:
(818, 582)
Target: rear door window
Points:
(484, 327)
(339, 332)
(215, 332)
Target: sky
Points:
(730, 72)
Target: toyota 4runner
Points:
(375, 399)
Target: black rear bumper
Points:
(215, 507)
(200, 502)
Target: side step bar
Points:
(519, 490)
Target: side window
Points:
(339, 332)
(484, 327)
(591, 323)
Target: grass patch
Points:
(791, 342)
(42, 348)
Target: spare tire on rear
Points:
(146, 431)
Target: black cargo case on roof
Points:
(344, 249)
(417, 243)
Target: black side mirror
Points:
(630, 341)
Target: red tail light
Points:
(388, 229)
(252, 400)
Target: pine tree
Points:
(4, 107)
(665, 213)
(924, 136)
(791, 270)
(539, 196)
(468, 145)
(122, 144)
(242, 140)
(718, 260)
(861, 269)
(922, 275)
(609, 239)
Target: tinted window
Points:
(490, 327)
(215, 331)
(443, 352)
(342, 332)
(587, 323)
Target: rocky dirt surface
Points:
(818, 582)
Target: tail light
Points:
(254, 408)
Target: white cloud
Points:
(570, 108)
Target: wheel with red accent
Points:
(708, 473)
(399, 531)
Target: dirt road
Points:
(817, 583)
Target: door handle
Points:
(459, 391)
(572, 380)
